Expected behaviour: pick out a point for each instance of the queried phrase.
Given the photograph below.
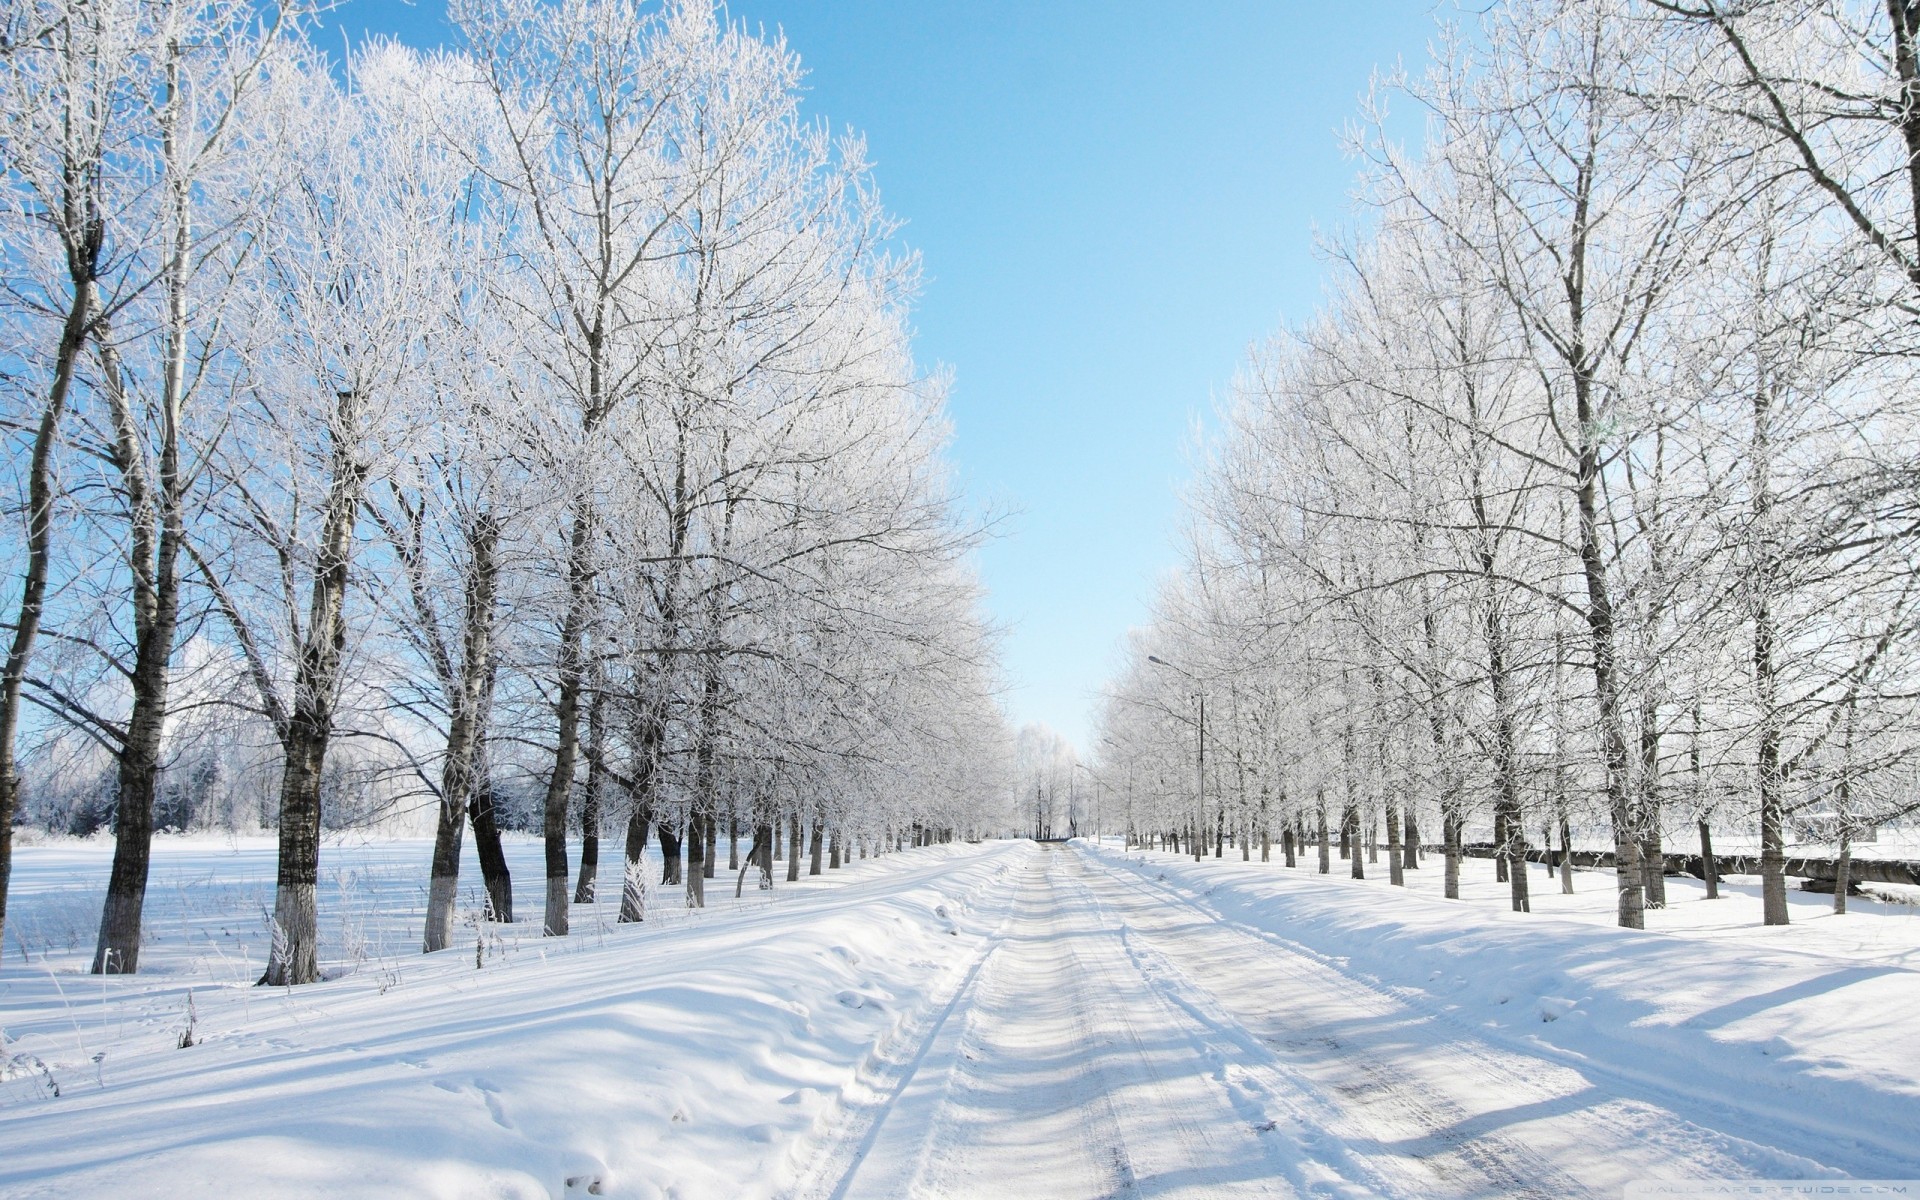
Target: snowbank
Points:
(698, 1051)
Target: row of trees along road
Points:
(532, 420)
(1588, 498)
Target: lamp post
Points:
(1128, 841)
(1200, 741)
(1095, 781)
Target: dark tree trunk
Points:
(1395, 871)
(1411, 842)
(761, 856)
(309, 727)
(633, 878)
(1843, 868)
(566, 711)
(1653, 854)
(82, 259)
(793, 845)
(1566, 858)
(153, 564)
(1709, 869)
(649, 729)
(588, 881)
(699, 837)
(493, 856)
(818, 835)
(669, 852)
(469, 695)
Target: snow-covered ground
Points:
(957, 1021)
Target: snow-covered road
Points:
(954, 1021)
(1059, 1067)
(1115, 1038)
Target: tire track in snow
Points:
(846, 1134)
(988, 1107)
(1448, 1160)
(1070, 1074)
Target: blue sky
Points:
(1113, 200)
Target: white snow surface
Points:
(955, 1021)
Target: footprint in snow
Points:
(489, 1095)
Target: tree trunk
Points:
(633, 877)
(1843, 868)
(699, 837)
(670, 841)
(760, 855)
(153, 565)
(1773, 847)
(566, 710)
(1566, 858)
(1326, 851)
(1410, 842)
(309, 727)
(463, 734)
(1509, 829)
(583, 888)
(1450, 836)
(493, 856)
(1395, 875)
(294, 955)
(793, 845)
(1631, 904)
(1653, 855)
(33, 585)
(813, 851)
(649, 729)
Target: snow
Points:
(954, 1021)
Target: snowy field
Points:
(1080, 1021)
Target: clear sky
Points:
(1113, 198)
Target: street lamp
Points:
(1130, 838)
(1200, 699)
(1095, 781)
